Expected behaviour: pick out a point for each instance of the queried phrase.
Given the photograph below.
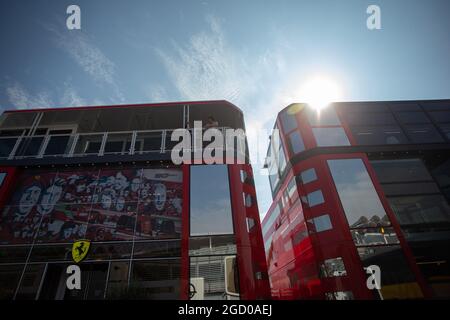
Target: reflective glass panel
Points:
(328, 137)
(210, 214)
(356, 192)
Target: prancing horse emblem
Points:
(80, 249)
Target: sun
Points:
(319, 91)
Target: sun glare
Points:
(319, 91)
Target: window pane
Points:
(6, 146)
(401, 170)
(296, 142)
(322, 223)
(308, 176)
(215, 245)
(210, 200)
(356, 191)
(379, 135)
(315, 198)
(209, 273)
(333, 268)
(273, 216)
(292, 188)
(158, 279)
(423, 134)
(412, 117)
(328, 137)
(326, 117)
(401, 189)
(370, 118)
(58, 145)
(374, 236)
(153, 249)
(405, 106)
(420, 209)
(440, 116)
(288, 121)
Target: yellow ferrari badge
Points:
(80, 249)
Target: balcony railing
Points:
(89, 144)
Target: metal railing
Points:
(89, 144)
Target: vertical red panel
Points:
(184, 286)
(250, 249)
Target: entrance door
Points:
(93, 283)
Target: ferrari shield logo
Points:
(80, 249)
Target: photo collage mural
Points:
(95, 204)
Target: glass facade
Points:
(397, 123)
(370, 228)
(212, 214)
(132, 215)
(417, 192)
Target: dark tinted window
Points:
(288, 121)
(423, 133)
(379, 135)
(296, 142)
(412, 117)
(440, 116)
(401, 170)
(370, 118)
(405, 107)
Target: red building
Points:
(157, 230)
(355, 185)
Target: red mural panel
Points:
(105, 204)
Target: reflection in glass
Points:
(308, 176)
(374, 236)
(326, 117)
(339, 295)
(212, 214)
(296, 142)
(357, 193)
(379, 135)
(209, 271)
(333, 268)
(288, 121)
(320, 223)
(315, 198)
(420, 209)
(329, 137)
(158, 280)
(215, 245)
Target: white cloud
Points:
(207, 68)
(157, 93)
(88, 56)
(71, 97)
(22, 99)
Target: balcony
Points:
(98, 144)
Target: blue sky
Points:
(253, 53)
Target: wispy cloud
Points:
(208, 67)
(21, 98)
(81, 49)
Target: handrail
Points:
(75, 140)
